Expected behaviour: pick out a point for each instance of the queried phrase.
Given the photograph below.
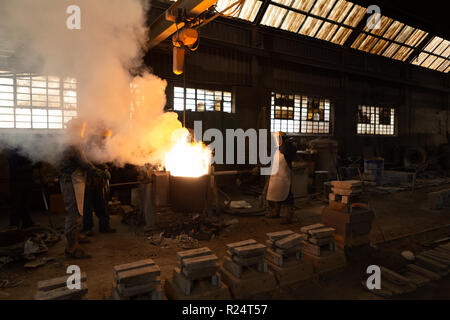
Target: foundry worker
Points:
(279, 191)
(97, 189)
(21, 187)
(74, 167)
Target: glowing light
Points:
(185, 158)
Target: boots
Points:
(275, 213)
(73, 249)
(289, 214)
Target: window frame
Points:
(394, 122)
(205, 92)
(301, 110)
(31, 103)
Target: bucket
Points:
(374, 166)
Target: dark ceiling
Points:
(432, 16)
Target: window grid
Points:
(201, 100)
(435, 55)
(335, 20)
(330, 20)
(29, 101)
(376, 120)
(392, 39)
(300, 114)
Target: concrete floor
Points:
(396, 215)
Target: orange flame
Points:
(185, 158)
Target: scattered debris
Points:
(5, 260)
(3, 283)
(182, 241)
(425, 180)
(32, 247)
(408, 255)
(4, 294)
(38, 262)
(130, 215)
(195, 226)
(430, 265)
(443, 240)
(16, 244)
(231, 222)
(239, 204)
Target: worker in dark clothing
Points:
(74, 166)
(97, 185)
(21, 185)
(97, 190)
(279, 191)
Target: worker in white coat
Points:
(279, 191)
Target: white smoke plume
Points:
(100, 56)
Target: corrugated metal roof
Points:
(389, 38)
(335, 20)
(330, 20)
(435, 55)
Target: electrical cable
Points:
(239, 4)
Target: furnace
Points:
(188, 194)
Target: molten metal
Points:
(185, 158)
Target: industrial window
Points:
(389, 38)
(376, 120)
(330, 20)
(300, 114)
(202, 100)
(435, 55)
(29, 101)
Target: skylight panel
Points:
(341, 35)
(321, 19)
(293, 21)
(322, 8)
(355, 16)
(303, 5)
(435, 55)
(248, 11)
(310, 27)
(388, 38)
(274, 16)
(340, 11)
